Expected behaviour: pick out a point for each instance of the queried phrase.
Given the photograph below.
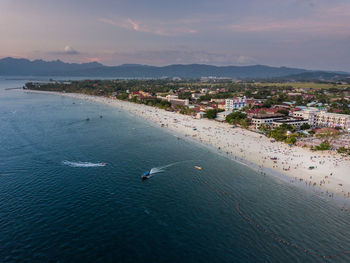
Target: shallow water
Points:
(51, 211)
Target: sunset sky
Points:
(312, 34)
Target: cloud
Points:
(70, 51)
(66, 51)
(152, 27)
(292, 26)
(325, 20)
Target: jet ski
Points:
(146, 175)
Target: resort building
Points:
(261, 119)
(327, 119)
(297, 123)
(235, 104)
(174, 100)
(319, 118)
(307, 114)
(276, 120)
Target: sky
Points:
(311, 34)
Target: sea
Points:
(71, 191)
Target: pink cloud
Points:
(152, 27)
(324, 20)
(301, 25)
(93, 59)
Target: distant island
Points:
(24, 67)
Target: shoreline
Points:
(328, 180)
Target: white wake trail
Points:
(161, 169)
(83, 164)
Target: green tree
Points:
(291, 139)
(324, 146)
(210, 114)
(235, 117)
(284, 112)
(305, 126)
(341, 150)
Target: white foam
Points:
(83, 164)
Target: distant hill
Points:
(319, 76)
(24, 67)
(191, 71)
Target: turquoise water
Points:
(58, 203)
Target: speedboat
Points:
(198, 168)
(146, 175)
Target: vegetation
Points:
(302, 85)
(305, 126)
(236, 117)
(280, 133)
(324, 146)
(210, 114)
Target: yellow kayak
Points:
(198, 167)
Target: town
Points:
(306, 114)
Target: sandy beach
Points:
(330, 177)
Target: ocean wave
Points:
(83, 164)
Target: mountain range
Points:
(24, 67)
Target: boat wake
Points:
(83, 164)
(162, 169)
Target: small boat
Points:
(146, 175)
(198, 168)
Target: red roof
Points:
(267, 110)
(326, 130)
(337, 110)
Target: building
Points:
(217, 100)
(174, 100)
(221, 106)
(221, 116)
(259, 111)
(235, 104)
(200, 115)
(327, 119)
(261, 119)
(196, 96)
(297, 123)
(319, 118)
(307, 114)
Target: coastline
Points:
(329, 179)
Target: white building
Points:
(265, 119)
(307, 114)
(173, 99)
(327, 119)
(221, 116)
(200, 115)
(235, 104)
(196, 95)
(297, 123)
(319, 118)
(277, 120)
